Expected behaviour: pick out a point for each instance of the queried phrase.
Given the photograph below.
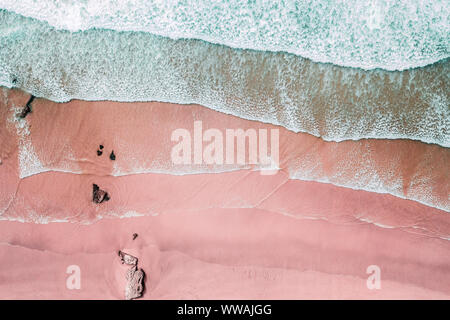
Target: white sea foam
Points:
(324, 100)
(393, 35)
(365, 178)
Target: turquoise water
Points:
(393, 35)
(333, 102)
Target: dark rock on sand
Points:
(127, 258)
(98, 195)
(27, 109)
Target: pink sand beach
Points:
(310, 230)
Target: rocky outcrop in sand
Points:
(135, 285)
(135, 277)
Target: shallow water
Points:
(325, 100)
(393, 35)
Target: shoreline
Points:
(404, 168)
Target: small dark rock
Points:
(27, 109)
(128, 258)
(135, 235)
(99, 153)
(99, 195)
(101, 147)
(112, 156)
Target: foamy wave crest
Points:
(325, 100)
(393, 35)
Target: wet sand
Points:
(140, 135)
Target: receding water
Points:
(326, 100)
(392, 35)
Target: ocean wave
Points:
(325, 100)
(392, 35)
